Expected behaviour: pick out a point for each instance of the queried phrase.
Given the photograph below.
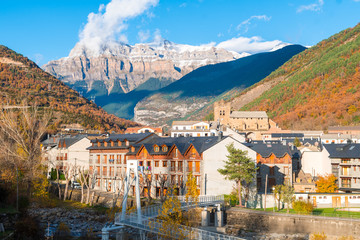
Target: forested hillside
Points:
(316, 88)
(21, 79)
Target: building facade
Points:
(193, 129)
(108, 160)
(276, 161)
(345, 165)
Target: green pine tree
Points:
(240, 168)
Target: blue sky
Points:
(48, 30)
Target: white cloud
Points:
(315, 7)
(157, 36)
(110, 22)
(251, 45)
(183, 4)
(210, 44)
(143, 36)
(245, 24)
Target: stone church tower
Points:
(222, 112)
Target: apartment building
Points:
(173, 159)
(345, 165)
(107, 158)
(277, 160)
(61, 151)
(193, 129)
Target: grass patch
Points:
(325, 212)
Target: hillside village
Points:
(180, 120)
(294, 157)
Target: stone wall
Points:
(240, 220)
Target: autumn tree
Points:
(170, 218)
(240, 168)
(21, 131)
(287, 195)
(326, 184)
(297, 142)
(277, 194)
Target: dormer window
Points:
(132, 149)
(156, 148)
(126, 142)
(112, 143)
(105, 144)
(99, 144)
(164, 148)
(119, 143)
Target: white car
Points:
(76, 185)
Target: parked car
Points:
(76, 185)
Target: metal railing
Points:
(149, 223)
(181, 232)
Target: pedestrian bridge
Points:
(146, 222)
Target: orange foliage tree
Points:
(326, 184)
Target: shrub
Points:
(28, 228)
(318, 236)
(303, 207)
(62, 232)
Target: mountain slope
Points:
(198, 89)
(21, 79)
(317, 88)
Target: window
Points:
(148, 163)
(164, 148)
(98, 159)
(156, 148)
(105, 159)
(164, 163)
(197, 166)
(125, 158)
(258, 183)
(111, 173)
(65, 158)
(272, 172)
(190, 166)
(156, 163)
(104, 171)
(127, 143)
(112, 143)
(345, 160)
(118, 159)
(180, 166)
(111, 160)
(105, 144)
(98, 170)
(119, 143)
(172, 167)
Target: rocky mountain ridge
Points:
(192, 96)
(122, 68)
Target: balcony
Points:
(346, 185)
